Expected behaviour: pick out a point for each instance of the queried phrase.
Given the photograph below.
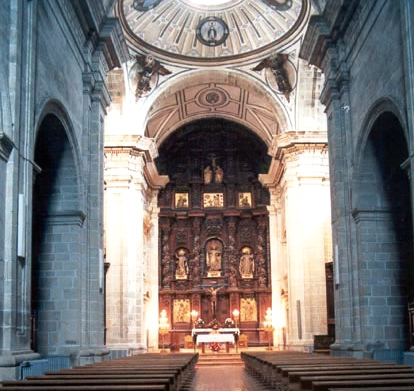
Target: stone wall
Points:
(55, 56)
(368, 72)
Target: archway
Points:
(213, 227)
(384, 233)
(55, 241)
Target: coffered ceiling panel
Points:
(212, 100)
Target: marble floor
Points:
(224, 378)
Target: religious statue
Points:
(276, 63)
(246, 266)
(181, 273)
(213, 292)
(147, 67)
(218, 175)
(213, 258)
(207, 175)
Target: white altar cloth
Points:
(221, 338)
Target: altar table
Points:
(220, 338)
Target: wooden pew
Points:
(86, 388)
(392, 388)
(139, 373)
(53, 383)
(291, 379)
(362, 385)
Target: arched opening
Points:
(55, 242)
(384, 228)
(214, 207)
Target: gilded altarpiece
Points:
(214, 255)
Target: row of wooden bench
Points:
(146, 372)
(293, 371)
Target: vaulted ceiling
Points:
(173, 29)
(212, 100)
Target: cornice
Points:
(142, 146)
(66, 217)
(287, 144)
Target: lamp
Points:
(268, 325)
(164, 328)
(194, 315)
(236, 314)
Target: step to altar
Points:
(221, 359)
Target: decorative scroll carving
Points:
(214, 226)
(260, 253)
(165, 260)
(181, 237)
(181, 311)
(245, 231)
(232, 252)
(196, 252)
(248, 310)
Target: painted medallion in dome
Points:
(211, 31)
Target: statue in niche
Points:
(208, 175)
(218, 174)
(246, 265)
(213, 258)
(181, 273)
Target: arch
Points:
(56, 234)
(56, 108)
(382, 105)
(383, 218)
(263, 109)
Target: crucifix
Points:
(213, 292)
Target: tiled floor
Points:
(224, 378)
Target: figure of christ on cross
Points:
(213, 292)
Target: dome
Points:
(211, 32)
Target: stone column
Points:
(299, 184)
(152, 274)
(131, 228)
(276, 270)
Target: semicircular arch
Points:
(232, 95)
(55, 108)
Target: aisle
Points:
(224, 378)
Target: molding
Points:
(286, 144)
(139, 146)
(6, 146)
(378, 214)
(66, 217)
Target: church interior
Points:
(173, 167)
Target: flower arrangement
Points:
(215, 346)
(199, 323)
(229, 323)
